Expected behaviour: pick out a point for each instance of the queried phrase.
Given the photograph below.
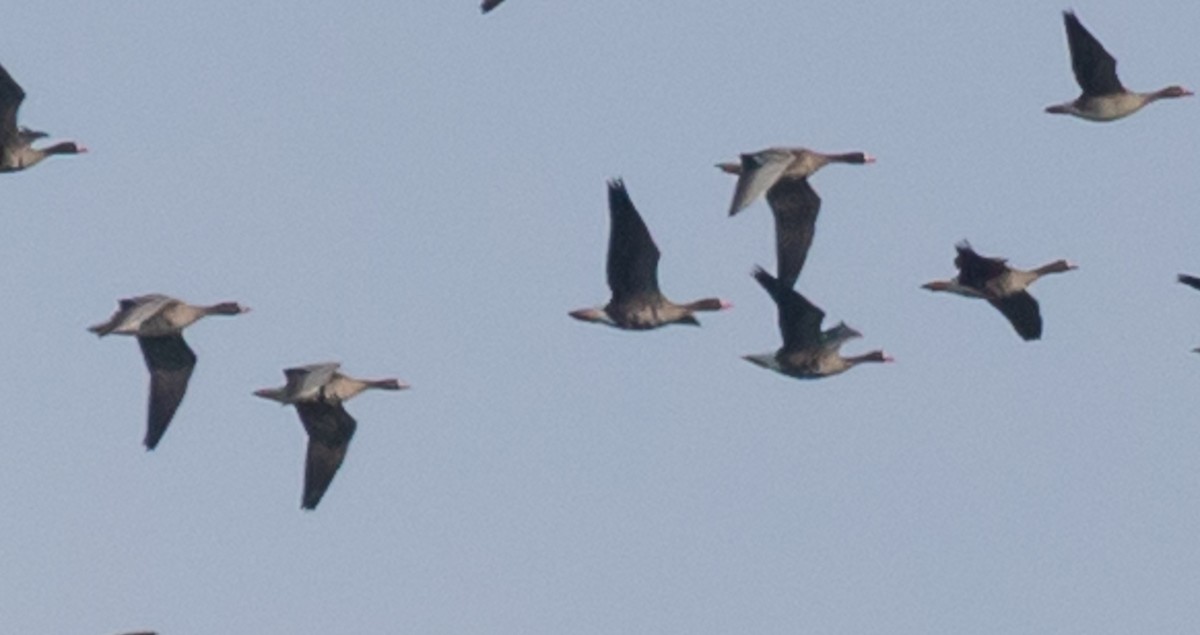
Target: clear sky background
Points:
(418, 191)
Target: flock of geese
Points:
(318, 391)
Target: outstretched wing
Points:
(330, 429)
(11, 97)
(1021, 309)
(799, 319)
(488, 5)
(1095, 70)
(632, 254)
(171, 362)
(795, 205)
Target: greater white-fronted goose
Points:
(158, 322)
(636, 302)
(1103, 98)
(1004, 287)
(783, 174)
(317, 391)
(807, 352)
(16, 143)
(488, 5)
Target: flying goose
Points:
(636, 302)
(807, 352)
(1103, 98)
(488, 5)
(317, 391)
(158, 322)
(783, 173)
(1002, 286)
(16, 143)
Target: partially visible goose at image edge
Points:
(637, 303)
(807, 351)
(317, 391)
(158, 322)
(783, 173)
(1193, 282)
(16, 143)
(488, 5)
(1002, 286)
(1103, 98)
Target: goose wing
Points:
(1022, 311)
(975, 271)
(11, 97)
(170, 362)
(304, 383)
(795, 205)
(1095, 70)
(760, 171)
(330, 429)
(1191, 281)
(632, 254)
(799, 319)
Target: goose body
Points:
(1104, 98)
(783, 174)
(318, 392)
(16, 143)
(157, 321)
(1004, 287)
(637, 303)
(807, 351)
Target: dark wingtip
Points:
(1191, 281)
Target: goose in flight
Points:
(1103, 97)
(1004, 287)
(16, 142)
(158, 322)
(318, 391)
(636, 303)
(807, 351)
(783, 174)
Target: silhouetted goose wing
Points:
(759, 172)
(1021, 309)
(975, 271)
(632, 254)
(795, 205)
(330, 429)
(1191, 281)
(799, 319)
(488, 5)
(11, 97)
(1095, 70)
(171, 362)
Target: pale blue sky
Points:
(418, 191)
